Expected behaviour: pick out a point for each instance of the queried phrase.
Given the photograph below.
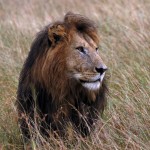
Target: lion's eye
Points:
(81, 49)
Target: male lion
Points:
(62, 79)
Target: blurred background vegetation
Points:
(124, 27)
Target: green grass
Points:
(125, 47)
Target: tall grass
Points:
(124, 27)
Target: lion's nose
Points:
(101, 69)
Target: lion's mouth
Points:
(91, 84)
(89, 81)
(94, 83)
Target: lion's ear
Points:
(56, 33)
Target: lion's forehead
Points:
(90, 41)
(84, 40)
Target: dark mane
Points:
(43, 83)
(39, 46)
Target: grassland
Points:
(124, 27)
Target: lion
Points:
(63, 79)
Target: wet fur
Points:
(43, 83)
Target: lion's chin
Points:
(92, 85)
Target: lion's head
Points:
(73, 54)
